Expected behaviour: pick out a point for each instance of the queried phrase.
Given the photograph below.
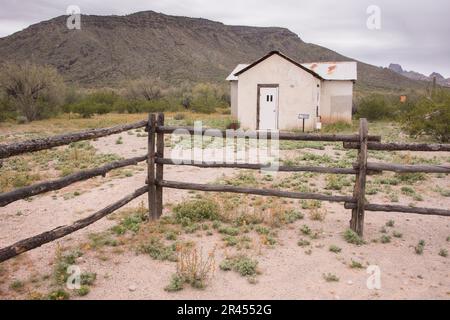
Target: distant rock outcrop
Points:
(418, 76)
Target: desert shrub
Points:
(62, 262)
(329, 277)
(241, 264)
(100, 102)
(376, 107)
(144, 88)
(59, 294)
(176, 283)
(87, 109)
(352, 237)
(192, 268)
(7, 110)
(34, 91)
(206, 98)
(356, 265)
(429, 116)
(335, 249)
(156, 249)
(340, 126)
(165, 104)
(420, 247)
(196, 211)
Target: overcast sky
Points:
(414, 33)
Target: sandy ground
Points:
(287, 271)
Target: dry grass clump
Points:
(192, 268)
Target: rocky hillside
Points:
(110, 49)
(419, 76)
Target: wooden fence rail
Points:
(43, 187)
(363, 142)
(400, 146)
(286, 136)
(156, 161)
(49, 236)
(13, 149)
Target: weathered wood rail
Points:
(13, 149)
(363, 142)
(156, 161)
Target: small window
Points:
(268, 98)
(271, 98)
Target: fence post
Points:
(151, 167)
(159, 167)
(359, 193)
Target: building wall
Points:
(234, 98)
(336, 101)
(298, 93)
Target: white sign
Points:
(303, 116)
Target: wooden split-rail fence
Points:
(155, 183)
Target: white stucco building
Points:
(276, 92)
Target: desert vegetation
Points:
(206, 239)
(30, 92)
(203, 239)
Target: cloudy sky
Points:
(414, 33)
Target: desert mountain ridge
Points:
(110, 49)
(419, 76)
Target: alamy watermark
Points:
(73, 22)
(213, 146)
(374, 280)
(374, 19)
(74, 279)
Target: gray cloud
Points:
(414, 33)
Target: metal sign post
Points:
(303, 117)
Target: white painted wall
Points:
(336, 101)
(298, 93)
(234, 98)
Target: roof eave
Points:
(284, 57)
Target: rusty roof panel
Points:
(334, 70)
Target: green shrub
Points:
(158, 251)
(291, 216)
(34, 91)
(443, 253)
(231, 231)
(196, 210)
(352, 237)
(337, 127)
(303, 243)
(385, 239)
(335, 249)
(356, 265)
(430, 116)
(376, 107)
(176, 284)
(329, 277)
(84, 290)
(420, 247)
(59, 294)
(241, 264)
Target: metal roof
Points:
(239, 67)
(334, 70)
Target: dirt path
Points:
(288, 271)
